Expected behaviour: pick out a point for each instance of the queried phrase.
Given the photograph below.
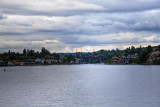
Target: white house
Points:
(125, 60)
(39, 61)
(51, 61)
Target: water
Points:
(92, 85)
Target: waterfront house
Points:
(116, 60)
(71, 62)
(10, 63)
(2, 63)
(77, 61)
(18, 62)
(51, 61)
(39, 61)
(29, 62)
(125, 60)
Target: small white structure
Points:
(77, 61)
(39, 61)
(51, 61)
(10, 63)
(2, 63)
(71, 62)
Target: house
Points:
(116, 60)
(18, 62)
(71, 62)
(39, 61)
(10, 63)
(29, 62)
(2, 63)
(77, 61)
(125, 60)
(51, 61)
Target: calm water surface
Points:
(92, 85)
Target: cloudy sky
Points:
(67, 25)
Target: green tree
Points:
(27, 52)
(68, 58)
(159, 47)
(56, 56)
(143, 56)
(149, 48)
(108, 61)
(157, 61)
(31, 53)
(132, 51)
(44, 51)
(38, 55)
(139, 50)
(24, 52)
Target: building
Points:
(18, 62)
(51, 61)
(116, 60)
(39, 61)
(77, 61)
(10, 63)
(2, 63)
(29, 62)
(71, 62)
(125, 60)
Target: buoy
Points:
(4, 70)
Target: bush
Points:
(157, 61)
(108, 61)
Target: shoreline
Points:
(70, 64)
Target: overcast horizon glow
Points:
(67, 25)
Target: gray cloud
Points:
(64, 24)
(2, 17)
(75, 7)
(48, 7)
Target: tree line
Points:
(90, 57)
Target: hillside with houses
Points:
(148, 55)
(131, 55)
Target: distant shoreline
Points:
(72, 64)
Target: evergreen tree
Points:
(149, 48)
(24, 52)
(27, 52)
(159, 47)
(143, 56)
(132, 50)
(45, 51)
(68, 58)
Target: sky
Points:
(72, 25)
